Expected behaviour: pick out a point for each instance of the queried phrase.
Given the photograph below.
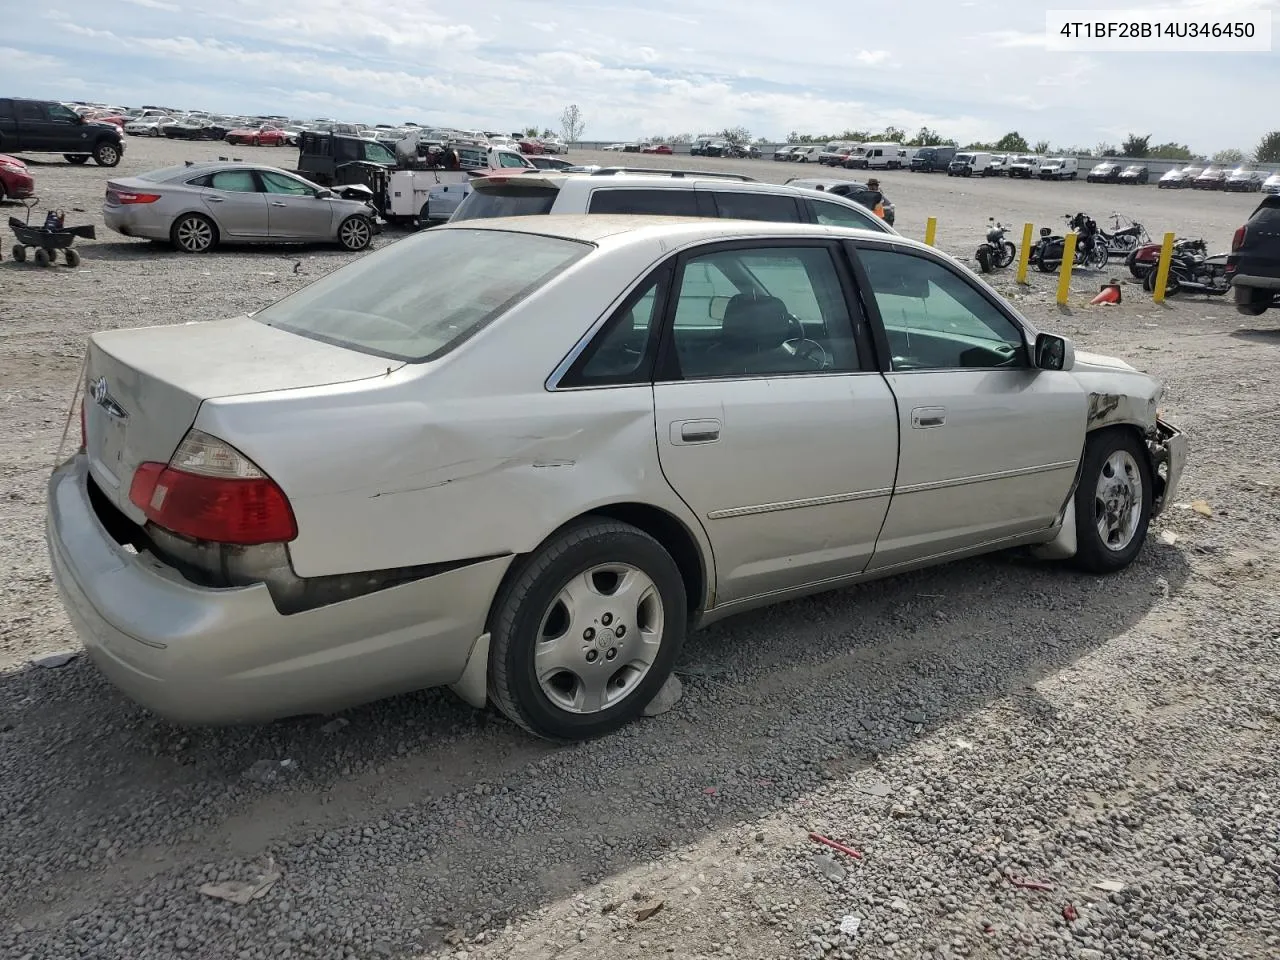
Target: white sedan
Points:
(523, 457)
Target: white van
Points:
(1059, 168)
(882, 156)
(967, 164)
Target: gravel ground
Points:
(966, 728)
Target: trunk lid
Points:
(144, 386)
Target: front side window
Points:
(60, 114)
(375, 152)
(420, 297)
(762, 312)
(510, 160)
(775, 207)
(234, 181)
(279, 183)
(668, 203)
(837, 215)
(935, 319)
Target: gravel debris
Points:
(1112, 737)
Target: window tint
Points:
(60, 114)
(236, 181)
(935, 319)
(388, 305)
(668, 203)
(508, 200)
(377, 153)
(762, 312)
(6, 109)
(30, 111)
(756, 206)
(510, 160)
(838, 215)
(279, 183)
(623, 351)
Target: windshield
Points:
(422, 296)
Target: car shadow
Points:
(1257, 334)
(776, 702)
(131, 249)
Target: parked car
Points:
(1211, 178)
(1024, 166)
(1253, 265)
(931, 159)
(1059, 168)
(886, 155)
(804, 155)
(1178, 179)
(632, 148)
(967, 164)
(146, 126)
(998, 166)
(45, 126)
(662, 148)
(16, 182)
(193, 128)
(859, 193)
(1106, 172)
(545, 162)
(1135, 173)
(265, 135)
(742, 151)
(836, 156)
(221, 564)
(1271, 184)
(199, 206)
(1242, 180)
(785, 152)
(554, 145)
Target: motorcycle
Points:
(1091, 249)
(1190, 271)
(1145, 258)
(1123, 240)
(997, 251)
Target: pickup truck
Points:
(1254, 263)
(45, 126)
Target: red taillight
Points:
(1237, 240)
(210, 491)
(125, 197)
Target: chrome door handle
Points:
(278, 203)
(924, 417)
(216, 199)
(694, 431)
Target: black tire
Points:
(1009, 253)
(76, 158)
(355, 233)
(423, 214)
(1250, 301)
(1171, 285)
(1093, 554)
(983, 256)
(72, 257)
(528, 596)
(19, 253)
(106, 154)
(1047, 266)
(42, 257)
(193, 233)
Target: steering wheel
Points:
(810, 350)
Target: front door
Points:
(236, 203)
(990, 444)
(772, 424)
(294, 212)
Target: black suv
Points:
(45, 126)
(1254, 263)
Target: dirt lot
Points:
(963, 727)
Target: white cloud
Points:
(21, 60)
(872, 57)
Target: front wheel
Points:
(1098, 256)
(76, 158)
(983, 256)
(1171, 285)
(1008, 253)
(106, 154)
(355, 233)
(1112, 502)
(585, 633)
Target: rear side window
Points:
(6, 109)
(837, 215)
(30, 111)
(420, 297)
(508, 200)
(662, 203)
(777, 208)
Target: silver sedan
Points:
(198, 206)
(523, 457)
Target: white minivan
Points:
(1059, 168)
(881, 156)
(967, 164)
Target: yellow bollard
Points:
(1064, 271)
(930, 229)
(1024, 256)
(1162, 270)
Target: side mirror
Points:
(323, 194)
(1054, 353)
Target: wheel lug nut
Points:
(607, 619)
(589, 633)
(592, 656)
(620, 631)
(613, 652)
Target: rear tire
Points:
(983, 256)
(1171, 285)
(19, 253)
(1250, 301)
(76, 158)
(1112, 501)
(619, 576)
(72, 257)
(106, 154)
(42, 257)
(193, 233)
(1010, 253)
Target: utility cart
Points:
(47, 239)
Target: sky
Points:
(970, 69)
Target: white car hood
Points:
(1099, 362)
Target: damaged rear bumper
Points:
(1168, 447)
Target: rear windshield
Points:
(420, 297)
(509, 200)
(165, 173)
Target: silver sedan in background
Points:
(197, 206)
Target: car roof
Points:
(621, 229)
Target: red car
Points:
(108, 118)
(263, 136)
(656, 148)
(530, 146)
(16, 182)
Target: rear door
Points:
(990, 444)
(35, 130)
(237, 204)
(294, 212)
(772, 424)
(9, 139)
